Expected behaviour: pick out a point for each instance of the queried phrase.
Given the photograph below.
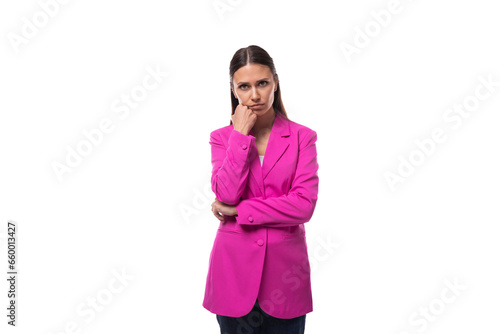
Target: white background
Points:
(140, 201)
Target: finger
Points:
(217, 215)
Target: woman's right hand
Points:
(243, 119)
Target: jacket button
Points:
(244, 146)
(250, 219)
(260, 242)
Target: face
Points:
(254, 84)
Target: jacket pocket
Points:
(293, 236)
(229, 231)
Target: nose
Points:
(255, 94)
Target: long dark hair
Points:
(254, 54)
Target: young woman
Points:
(259, 275)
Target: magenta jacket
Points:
(262, 252)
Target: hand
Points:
(243, 119)
(219, 209)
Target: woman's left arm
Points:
(298, 205)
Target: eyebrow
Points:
(241, 82)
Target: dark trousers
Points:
(259, 322)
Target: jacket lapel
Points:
(279, 140)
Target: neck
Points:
(264, 122)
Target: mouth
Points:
(257, 106)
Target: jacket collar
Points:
(279, 140)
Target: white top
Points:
(261, 159)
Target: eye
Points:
(262, 83)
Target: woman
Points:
(259, 275)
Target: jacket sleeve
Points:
(298, 205)
(230, 166)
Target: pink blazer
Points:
(262, 252)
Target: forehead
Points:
(252, 72)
